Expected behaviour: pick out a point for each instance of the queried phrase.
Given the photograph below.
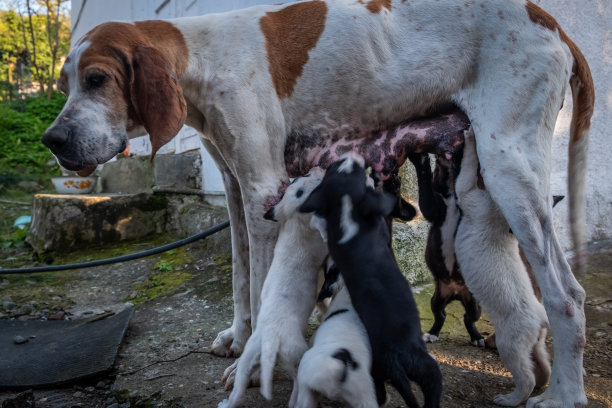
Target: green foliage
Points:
(17, 48)
(13, 240)
(22, 155)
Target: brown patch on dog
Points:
(290, 33)
(145, 60)
(376, 6)
(581, 82)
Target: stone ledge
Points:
(61, 223)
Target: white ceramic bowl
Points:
(74, 184)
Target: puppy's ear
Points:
(557, 198)
(156, 96)
(374, 203)
(269, 215)
(314, 202)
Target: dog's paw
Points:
(227, 344)
(430, 338)
(478, 343)
(507, 400)
(552, 399)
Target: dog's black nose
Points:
(56, 137)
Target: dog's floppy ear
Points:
(314, 202)
(374, 203)
(156, 96)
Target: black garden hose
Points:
(123, 258)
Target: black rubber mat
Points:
(59, 352)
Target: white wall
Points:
(589, 24)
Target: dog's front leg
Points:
(230, 342)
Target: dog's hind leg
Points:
(438, 304)
(541, 363)
(471, 316)
(513, 346)
(514, 123)
(423, 369)
(247, 363)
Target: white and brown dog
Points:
(271, 87)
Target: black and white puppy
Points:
(358, 240)
(339, 362)
(438, 205)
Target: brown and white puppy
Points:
(275, 90)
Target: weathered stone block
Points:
(178, 171)
(129, 176)
(63, 222)
(191, 214)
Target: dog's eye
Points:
(95, 80)
(299, 193)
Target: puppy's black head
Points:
(347, 178)
(345, 201)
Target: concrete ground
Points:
(165, 361)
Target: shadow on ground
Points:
(164, 360)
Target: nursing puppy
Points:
(438, 205)
(489, 257)
(288, 294)
(339, 362)
(358, 241)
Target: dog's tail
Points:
(583, 93)
(269, 350)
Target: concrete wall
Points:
(589, 24)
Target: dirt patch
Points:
(164, 360)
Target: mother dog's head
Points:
(119, 79)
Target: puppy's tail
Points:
(269, 350)
(583, 93)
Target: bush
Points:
(22, 155)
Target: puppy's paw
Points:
(478, 343)
(507, 400)
(490, 342)
(430, 338)
(229, 374)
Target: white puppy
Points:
(288, 294)
(488, 255)
(338, 364)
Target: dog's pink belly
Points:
(384, 150)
